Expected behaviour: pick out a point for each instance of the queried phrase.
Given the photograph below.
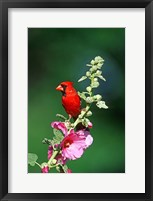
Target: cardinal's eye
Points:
(64, 88)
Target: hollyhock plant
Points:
(71, 135)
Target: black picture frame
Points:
(4, 6)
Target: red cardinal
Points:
(70, 99)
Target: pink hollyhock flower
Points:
(74, 143)
(45, 169)
(73, 146)
(85, 135)
(69, 171)
(59, 157)
(59, 126)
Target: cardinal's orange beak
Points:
(59, 88)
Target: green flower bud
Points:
(89, 113)
(89, 99)
(89, 89)
(88, 73)
(99, 65)
(44, 165)
(94, 68)
(95, 84)
(91, 70)
(83, 111)
(85, 122)
(54, 161)
(80, 116)
(98, 97)
(95, 79)
(99, 59)
(95, 98)
(98, 73)
(92, 62)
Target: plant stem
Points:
(55, 165)
(82, 115)
(78, 120)
(52, 157)
(38, 164)
(61, 116)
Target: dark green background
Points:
(60, 54)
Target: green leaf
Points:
(58, 134)
(32, 158)
(54, 142)
(46, 141)
(58, 137)
(88, 65)
(101, 104)
(82, 78)
(102, 78)
(82, 95)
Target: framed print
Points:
(76, 99)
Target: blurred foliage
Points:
(61, 54)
